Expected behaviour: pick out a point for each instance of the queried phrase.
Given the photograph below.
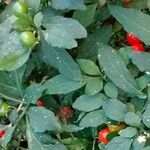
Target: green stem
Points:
(11, 99)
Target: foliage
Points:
(67, 73)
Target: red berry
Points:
(133, 40)
(65, 113)
(40, 103)
(102, 136)
(126, 2)
(2, 133)
(138, 47)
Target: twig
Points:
(93, 147)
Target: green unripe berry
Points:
(28, 39)
(4, 109)
(20, 8)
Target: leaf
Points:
(68, 4)
(141, 60)
(89, 48)
(8, 85)
(61, 85)
(13, 116)
(93, 119)
(85, 17)
(35, 144)
(75, 143)
(88, 67)
(13, 55)
(5, 28)
(146, 148)
(128, 132)
(48, 13)
(139, 4)
(34, 92)
(143, 81)
(111, 90)
(42, 119)
(34, 4)
(114, 67)
(38, 19)
(73, 27)
(59, 37)
(146, 117)
(94, 85)
(131, 20)
(60, 59)
(61, 32)
(135, 121)
(138, 145)
(88, 103)
(72, 128)
(115, 109)
(125, 53)
(119, 143)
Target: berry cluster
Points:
(27, 38)
(103, 134)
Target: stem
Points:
(11, 99)
(93, 147)
(18, 84)
(19, 142)
(21, 116)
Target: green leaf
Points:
(131, 20)
(34, 4)
(88, 103)
(125, 53)
(114, 67)
(5, 28)
(89, 48)
(68, 4)
(102, 2)
(93, 119)
(42, 119)
(8, 85)
(146, 117)
(111, 90)
(128, 132)
(137, 144)
(59, 37)
(75, 143)
(85, 17)
(35, 144)
(115, 109)
(60, 59)
(102, 146)
(135, 121)
(143, 81)
(94, 85)
(61, 32)
(146, 148)
(13, 55)
(139, 4)
(72, 128)
(38, 19)
(73, 27)
(88, 67)
(61, 85)
(141, 60)
(119, 143)
(34, 92)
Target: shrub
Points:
(74, 74)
